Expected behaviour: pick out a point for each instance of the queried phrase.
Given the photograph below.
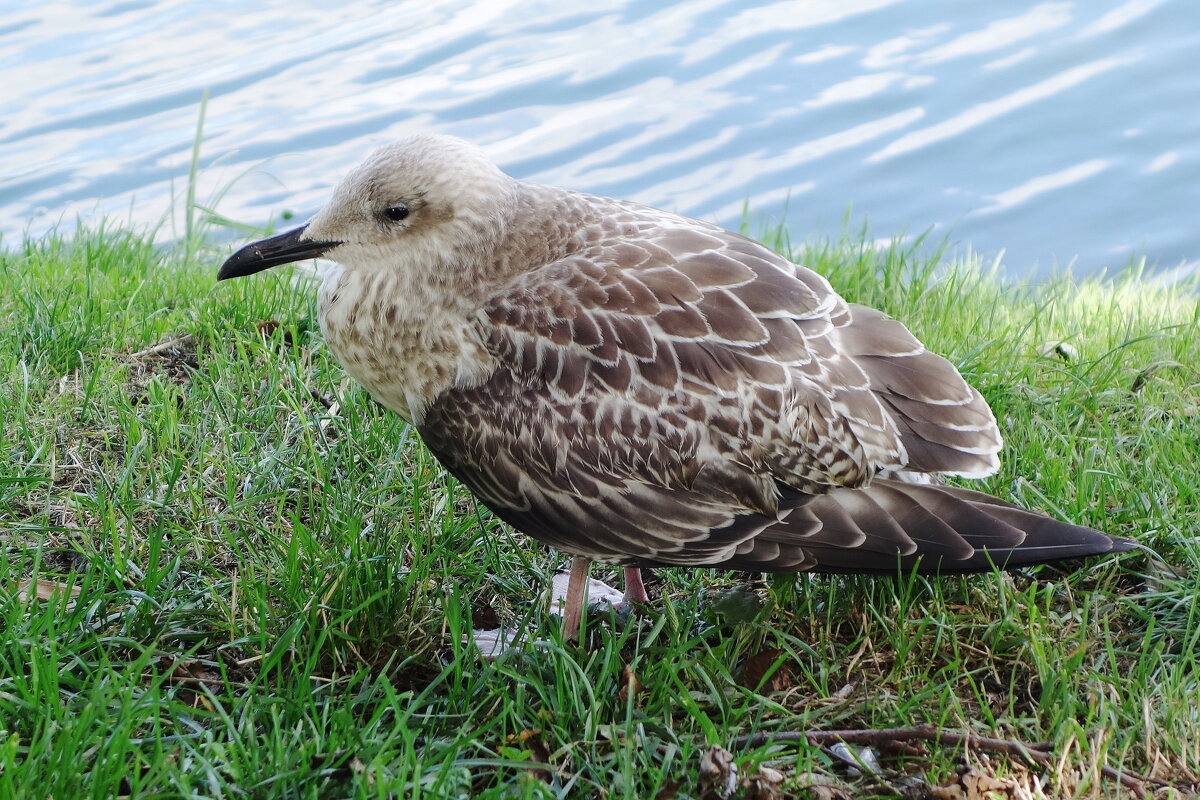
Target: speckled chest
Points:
(402, 346)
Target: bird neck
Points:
(404, 347)
(553, 225)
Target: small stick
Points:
(162, 347)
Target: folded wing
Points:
(686, 396)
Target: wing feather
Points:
(693, 398)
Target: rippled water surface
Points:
(1050, 130)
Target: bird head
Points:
(424, 203)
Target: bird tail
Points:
(893, 526)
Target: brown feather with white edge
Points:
(640, 388)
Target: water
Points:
(1051, 130)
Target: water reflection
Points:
(1051, 129)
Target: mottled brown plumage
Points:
(638, 388)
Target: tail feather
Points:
(944, 424)
(894, 526)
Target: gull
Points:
(637, 388)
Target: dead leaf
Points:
(359, 768)
(669, 789)
(630, 685)
(193, 672)
(526, 735)
(718, 774)
(821, 787)
(43, 590)
(975, 785)
(762, 785)
(755, 671)
(484, 616)
(951, 791)
(267, 327)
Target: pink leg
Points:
(576, 597)
(635, 590)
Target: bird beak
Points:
(282, 249)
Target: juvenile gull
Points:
(638, 388)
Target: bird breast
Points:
(404, 350)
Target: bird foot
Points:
(603, 600)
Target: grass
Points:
(254, 581)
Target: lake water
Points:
(1051, 130)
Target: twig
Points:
(1038, 754)
(163, 347)
(322, 399)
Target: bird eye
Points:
(396, 213)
